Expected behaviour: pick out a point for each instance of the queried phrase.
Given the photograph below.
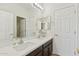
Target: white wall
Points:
(18, 9)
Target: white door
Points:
(6, 28)
(65, 31)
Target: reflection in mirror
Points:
(21, 27)
(44, 26)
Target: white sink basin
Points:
(24, 46)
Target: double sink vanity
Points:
(14, 42)
(34, 47)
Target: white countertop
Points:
(25, 48)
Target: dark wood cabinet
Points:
(47, 51)
(37, 51)
(47, 48)
(39, 54)
(44, 50)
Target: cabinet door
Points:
(47, 48)
(6, 28)
(45, 51)
(50, 49)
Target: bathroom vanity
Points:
(17, 40)
(34, 47)
(44, 50)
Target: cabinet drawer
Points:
(36, 52)
(47, 43)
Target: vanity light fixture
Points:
(36, 5)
